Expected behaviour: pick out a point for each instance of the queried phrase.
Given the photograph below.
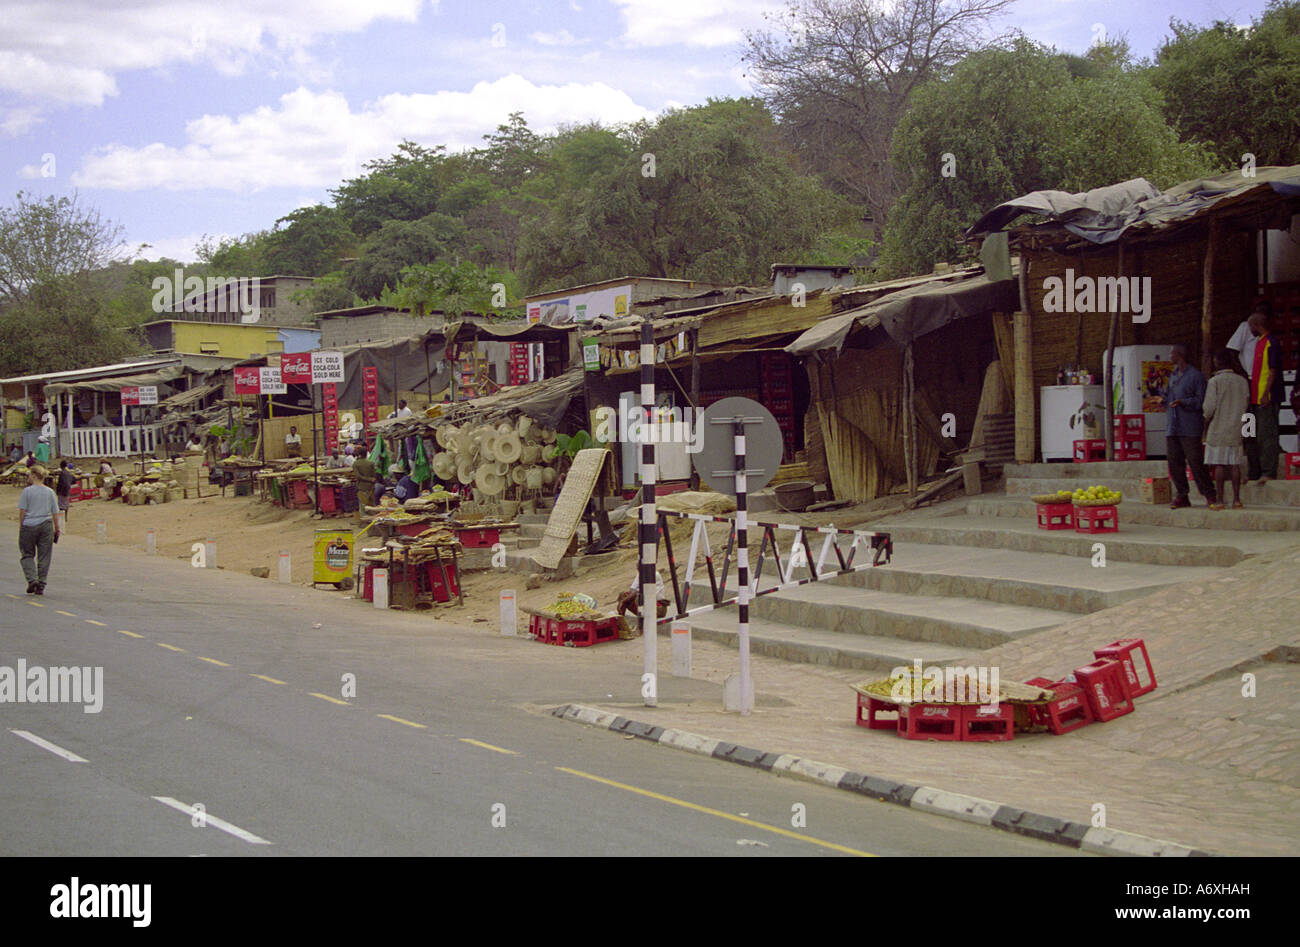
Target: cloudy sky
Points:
(197, 117)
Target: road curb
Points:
(924, 798)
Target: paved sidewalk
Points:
(1197, 763)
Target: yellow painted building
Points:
(226, 340)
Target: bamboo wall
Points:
(860, 408)
(1176, 278)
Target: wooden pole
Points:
(909, 420)
(1207, 293)
(1022, 330)
(1108, 425)
(695, 392)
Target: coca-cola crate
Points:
(988, 723)
(479, 537)
(1139, 674)
(1106, 689)
(586, 632)
(877, 714)
(1055, 515)
(1067, 710)
(930, 721)
(1096, 519)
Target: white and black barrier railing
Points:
(832, 559)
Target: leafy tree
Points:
(840, 74)
(234, 257)
(455, 290)
(309, 242)
(45, 239)
(398, 244)
(406, 186)
(1236, 90)
(708, 193)
(327, 293)
(1015, 120)
(60, 323)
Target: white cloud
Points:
(691, 22)
(180, 248)
(560, 38)
(314, 139)
(72, 54)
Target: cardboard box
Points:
(1156, 490)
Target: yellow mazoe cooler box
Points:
(333, 556)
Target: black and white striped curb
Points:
(925, 798)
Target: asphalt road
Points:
(220, 692)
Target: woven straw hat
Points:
(446, 435)
(488, 481)
(519, 474)
(548, 475)
(507, 446)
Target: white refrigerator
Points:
(672, 462)
(1141, 372)
(1069, 413)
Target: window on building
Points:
(209, 348)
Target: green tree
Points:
(1011, 121)
(43, 240)
(399, 244)
(1235, 90)
(60, 324)
(309, 242)
(708, 193)
(234, 257)
(455, 290)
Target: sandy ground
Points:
(250, 533)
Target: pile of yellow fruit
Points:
(1096, 496)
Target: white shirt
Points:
(1244, 342)
(293, 438)
(404, 412)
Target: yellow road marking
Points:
(487, 746)
(12, 595)
(409, 723)
(61, 612)
(715, 812)
(263, 677)
(169, 647)
(36, 604)
(91, 621)
(131, 633)
(332, 700)
(214, 661)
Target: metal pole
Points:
(315, 464)
(742, 568)
(647, 599)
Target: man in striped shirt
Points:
(1265, 400)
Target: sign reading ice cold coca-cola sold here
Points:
(326, 368)
(144, 394)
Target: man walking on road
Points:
(39, 526)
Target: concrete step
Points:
(936, 619)
(1155, 545)
(1096, 472)
(1037, 580)
(817, 646)
(1198, 517)
(1282, 495)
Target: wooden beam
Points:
(1024, 393)
(1207, 294)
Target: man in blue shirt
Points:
(39, 526)
(1182, 397)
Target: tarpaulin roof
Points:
(1103, 214)
(912, 312)
(158, 376)
(405, 358)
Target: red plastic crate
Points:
(1089, 450)
(1291, 465)
(1055, 515)
(930, 721)
(442, 591)
(586, 632)
(329, 499)
(1067, 710)
(1105, 688)
(1096, 519)
(874, 707)
(479, 537)
(411, 529)
(1125, 651)
(985, 723)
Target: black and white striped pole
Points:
(648, 598)
(742, 569)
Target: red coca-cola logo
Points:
(1101, 695)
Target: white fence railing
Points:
(109, 441)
